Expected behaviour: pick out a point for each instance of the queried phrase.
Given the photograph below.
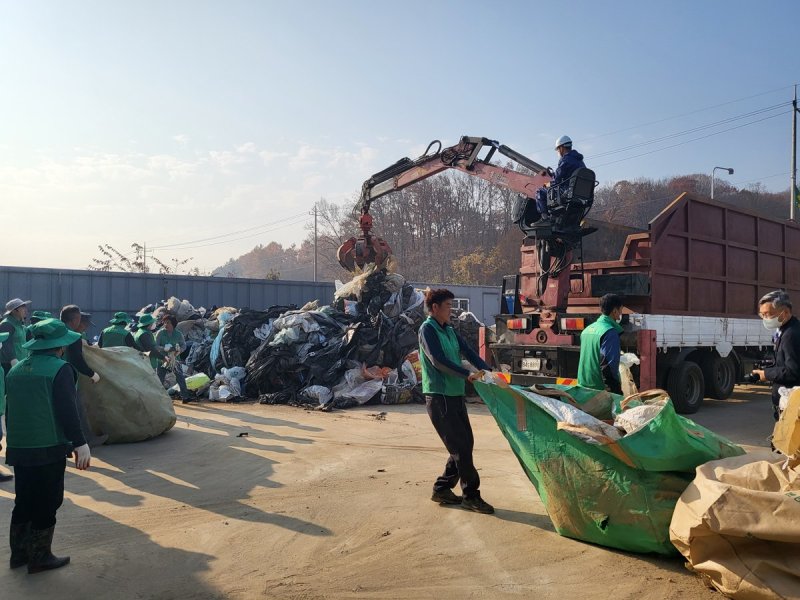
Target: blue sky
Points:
(170, 122)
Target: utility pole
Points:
(315, 242)
(144, 258)
(793, 189)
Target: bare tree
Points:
(133, 262)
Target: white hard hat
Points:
(564, 140)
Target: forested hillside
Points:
(457, 229)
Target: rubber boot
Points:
(40, 557)
(19, 539)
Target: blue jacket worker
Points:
(570, 161)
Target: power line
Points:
(297, 222)
(692, 130)
(703, 137)
(678, 116)
(686, 114)
(761, 178)
(216, 237)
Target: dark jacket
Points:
(786, 372)
(567, 165)
(74, 356)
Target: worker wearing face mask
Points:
(775, 309)
(598, 366)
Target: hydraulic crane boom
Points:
(556, 238)
(465, 157)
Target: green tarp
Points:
(615, 492)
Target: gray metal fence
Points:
(102, 294)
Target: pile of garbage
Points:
(361, 348)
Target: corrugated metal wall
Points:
(102, 294)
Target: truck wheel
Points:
(719, 374)
(685, 386)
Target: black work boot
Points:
(19, 539)
(477, 504)
(41, 558)
(445, 497)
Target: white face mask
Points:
(772, 323)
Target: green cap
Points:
(50, 333)
(146, 320)
(121, 318)
(40, 315)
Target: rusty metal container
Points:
(699, 257)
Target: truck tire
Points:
(719, 374)
(685, 385)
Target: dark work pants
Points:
(39, 494)
(180, 378)
(449, 417)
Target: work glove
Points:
(14, 361)
(82, 457)
(168, 347)
(95, 378)
(476, 376)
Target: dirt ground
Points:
(316, 505)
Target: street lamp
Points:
(714, 170)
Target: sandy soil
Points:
(314, 505)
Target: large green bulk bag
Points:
(615, 492)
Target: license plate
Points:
(531, 364)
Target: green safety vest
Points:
(433, 380)
(31, 419)
(140, 333)
(175, 338)
(113, 336)
(589, 373)
(19, 337)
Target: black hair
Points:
(437, 297)
(171, 319)
(609, 302)
(69, 312)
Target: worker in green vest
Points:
(13, 323)
(115, 334)
(39, 315)
(73, 318)
(36, 316)
(598, 366)
(3, 337)
(145, 341)
(171, 343)
(84, 326)
(443, 384)
(43, 430)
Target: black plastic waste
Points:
(238, 341)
